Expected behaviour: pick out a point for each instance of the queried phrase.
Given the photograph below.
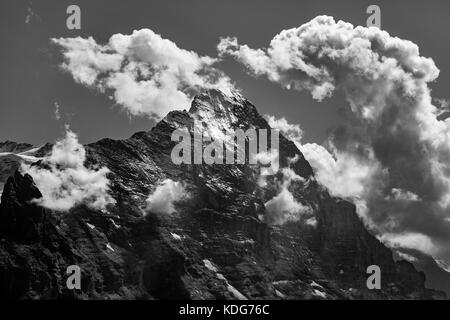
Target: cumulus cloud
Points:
(283, 207)
(65, 182)
(340, 172)
(343, 174)
(143, 72)
(293, 131)
(394, 146)
(166, 194)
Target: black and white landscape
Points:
(96, 203)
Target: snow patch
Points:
(208, 264)
(319, 293)
(279, 294)
(176, 236)
(235, 292)
(117, 226)
(316, 285)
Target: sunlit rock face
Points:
(219, 240)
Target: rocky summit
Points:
(219, 242)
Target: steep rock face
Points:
(19, 220)
(13, 153)
(437, 275)
(220, 243)
(10, 146)
(30, 246)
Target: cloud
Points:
(414, 241)
(166, 194)
(293, 131)
(65, 182)
(284, 207)
(143, 72)
(342, 173)
(339, 172)
(393, 153)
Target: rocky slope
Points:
(13, 153)
(220, 243)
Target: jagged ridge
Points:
(216, 246)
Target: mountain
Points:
(220, 243)
(13, 153)
(438, 274)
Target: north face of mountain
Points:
(13, 153)
(220, 243)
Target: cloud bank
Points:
(166, 194)
(142, 72)
(394, 148)
(65, 182)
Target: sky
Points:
(32, 83)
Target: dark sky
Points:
(31, 83)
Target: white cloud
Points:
(393, 153)
(144, 73)
(166, 194)
(65, 182)
(293, 131)
(269, 161)
(408, 240)
(342, 173)
(284, 207)
(399, 194)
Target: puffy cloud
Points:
(143, 72)
(393, 153)
(414, 241)
(293, 131)
(343, 174)
(65, 182)
(162, 200)
(283, 207)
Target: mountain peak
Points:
(14, 147)
(227, 235)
